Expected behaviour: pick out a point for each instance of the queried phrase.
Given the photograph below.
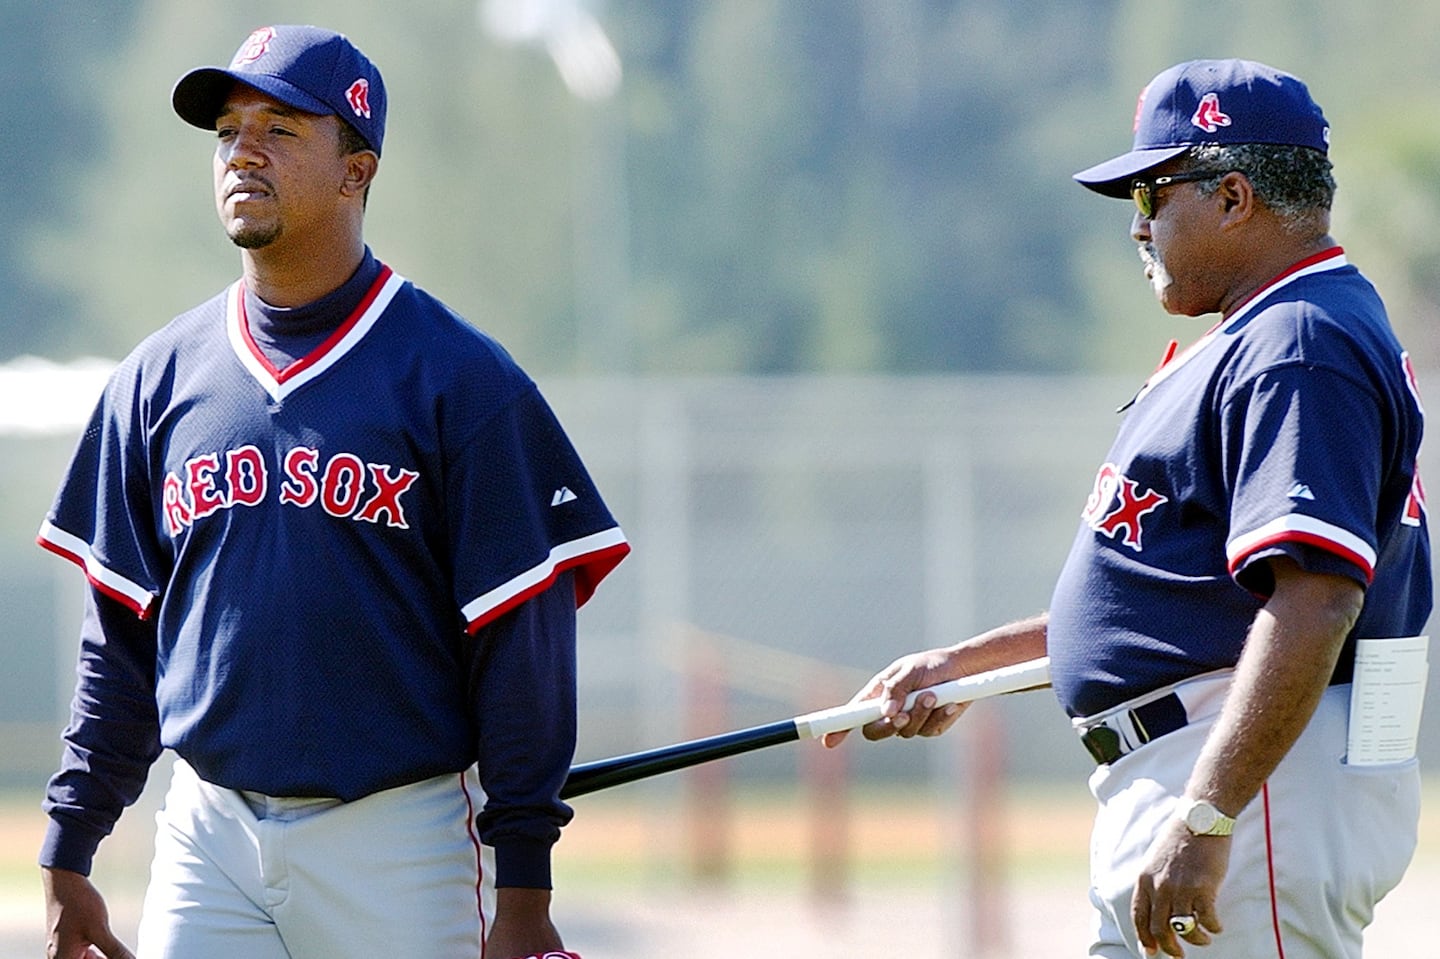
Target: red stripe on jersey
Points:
(1304, 264)
(590, 569)
(1309, 539)
(142, 610)
(317, 354)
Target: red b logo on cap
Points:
(358, 96)
(254, 46)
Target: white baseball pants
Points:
(242, 876)
(1311, 856)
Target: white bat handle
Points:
(995, 682)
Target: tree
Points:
(777, 187)
(50, 112)
(466, 202)
(1372, 69)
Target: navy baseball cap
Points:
(309, 68)
(1212, 102)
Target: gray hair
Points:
(1296, 183)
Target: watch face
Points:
(1202, 818)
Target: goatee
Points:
(253, 237)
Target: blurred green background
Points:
(774, 186)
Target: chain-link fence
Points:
(791, 522)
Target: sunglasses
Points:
(1143, 191)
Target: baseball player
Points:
(336, 540)
(1259, 519)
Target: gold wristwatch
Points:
(1203, 819)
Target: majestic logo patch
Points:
(1208, 116)
(254, 47)
(359, 97)
(1117, 505)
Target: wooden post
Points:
(986, 832)
(827, 777)
(707, 786)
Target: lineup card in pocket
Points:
(1386, 699)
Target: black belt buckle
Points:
(1103, 744)
(1150, 721)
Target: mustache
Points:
(248, 184)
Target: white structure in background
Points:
(39, 396)
(568, 31)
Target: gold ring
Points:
(1183, 925)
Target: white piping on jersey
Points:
(282, 386)
(76, 550)
(1202, 696)
(1332, 262)
(1298, 527)
(560, 557)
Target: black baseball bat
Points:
(604, 773)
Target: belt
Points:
(1129, 729)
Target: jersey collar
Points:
(281, 383)
(1331, 259)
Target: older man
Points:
(1257, 524)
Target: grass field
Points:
(644, 874)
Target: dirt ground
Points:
(762, 879)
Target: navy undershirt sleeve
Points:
(522, 692)
(113, 737)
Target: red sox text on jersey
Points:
(344, 485)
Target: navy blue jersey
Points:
(1292, 428)
(313, 544)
